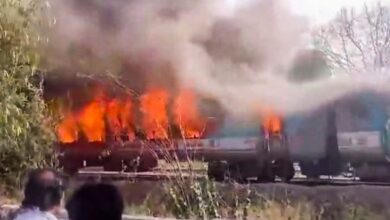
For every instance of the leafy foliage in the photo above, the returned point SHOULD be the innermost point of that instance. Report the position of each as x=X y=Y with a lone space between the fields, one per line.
x=25 y=129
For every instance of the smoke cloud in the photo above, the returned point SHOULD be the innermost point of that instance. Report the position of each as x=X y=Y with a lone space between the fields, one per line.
x=239 y=55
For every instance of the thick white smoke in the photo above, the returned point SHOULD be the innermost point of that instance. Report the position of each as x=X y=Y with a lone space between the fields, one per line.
x=240 y=56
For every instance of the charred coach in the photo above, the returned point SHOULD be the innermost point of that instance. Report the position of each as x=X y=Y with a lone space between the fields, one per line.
x=102 y=127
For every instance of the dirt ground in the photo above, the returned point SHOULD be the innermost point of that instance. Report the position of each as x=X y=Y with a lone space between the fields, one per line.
x=149 y=197
x=330 y=200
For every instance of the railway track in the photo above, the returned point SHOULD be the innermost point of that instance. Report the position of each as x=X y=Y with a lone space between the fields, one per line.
x=162 y=175
x=335 y=182
x=153 y=176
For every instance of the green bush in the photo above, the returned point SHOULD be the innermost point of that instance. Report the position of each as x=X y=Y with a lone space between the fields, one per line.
x=26 y=134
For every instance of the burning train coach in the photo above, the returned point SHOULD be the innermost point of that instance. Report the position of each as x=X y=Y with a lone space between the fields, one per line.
x=125 y=132
x=115 y=130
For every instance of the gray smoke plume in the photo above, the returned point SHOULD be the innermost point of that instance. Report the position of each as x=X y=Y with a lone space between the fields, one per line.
x=240 y=56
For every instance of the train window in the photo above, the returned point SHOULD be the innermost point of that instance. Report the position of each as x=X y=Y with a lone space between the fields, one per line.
x=361 y=141
x=345 y=141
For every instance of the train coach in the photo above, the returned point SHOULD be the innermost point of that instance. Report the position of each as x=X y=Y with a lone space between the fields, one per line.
x=352 y=132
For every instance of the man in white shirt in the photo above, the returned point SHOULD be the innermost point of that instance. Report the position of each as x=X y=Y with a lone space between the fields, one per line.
x=43 y=193
x=34 y=214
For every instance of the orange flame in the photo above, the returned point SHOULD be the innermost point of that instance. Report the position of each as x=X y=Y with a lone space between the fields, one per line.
x=187 y=116
x=119 y=117
x=113 y=113
x=67 y=129
x=271 y=122
x=91 y=120
x=116 y=116
x=126 y=117
x=154 y=109
x=106 y=118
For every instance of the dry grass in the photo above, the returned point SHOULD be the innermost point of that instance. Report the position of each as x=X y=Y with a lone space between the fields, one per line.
x=191 y=197
x=279 y=211
x=188 y=197
x=244 y=208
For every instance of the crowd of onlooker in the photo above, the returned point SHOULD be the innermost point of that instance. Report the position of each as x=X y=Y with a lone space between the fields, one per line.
x=43 y=200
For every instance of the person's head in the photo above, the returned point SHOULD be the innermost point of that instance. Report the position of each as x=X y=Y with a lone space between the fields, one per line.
x=95 y=202
x=47 y=174
x=42 y=174
x=43 y=190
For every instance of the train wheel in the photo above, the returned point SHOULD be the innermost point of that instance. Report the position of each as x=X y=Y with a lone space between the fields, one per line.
x=130 y=166
x=312 y=170
x=267 y=173
x=147 y=165
x=285 y=170
x=71 y=167
x=236 y=173
x=216 y=170
x=113 y=166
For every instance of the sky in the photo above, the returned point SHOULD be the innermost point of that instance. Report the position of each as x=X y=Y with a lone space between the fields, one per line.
x=317 y=11
x=321 y=11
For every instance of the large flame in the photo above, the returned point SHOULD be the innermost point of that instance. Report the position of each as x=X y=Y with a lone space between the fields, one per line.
x=110 y=118
x=186 y=115
x=120 y=118
x=67 y=129
x=154 y=108
x=95 y=117
x=271 y=122
x=91 y=120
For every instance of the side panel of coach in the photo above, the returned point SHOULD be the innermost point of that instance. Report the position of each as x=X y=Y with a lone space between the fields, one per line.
x=312 y=141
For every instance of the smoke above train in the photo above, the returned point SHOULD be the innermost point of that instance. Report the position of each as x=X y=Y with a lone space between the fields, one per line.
x=241 y=56
x=124 y=71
